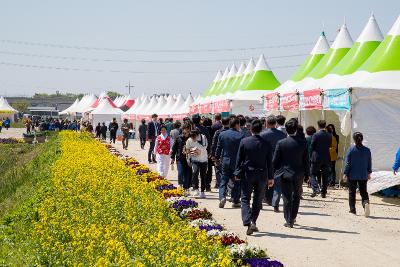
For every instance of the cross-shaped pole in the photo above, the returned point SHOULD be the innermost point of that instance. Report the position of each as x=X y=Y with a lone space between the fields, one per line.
x=129 y=86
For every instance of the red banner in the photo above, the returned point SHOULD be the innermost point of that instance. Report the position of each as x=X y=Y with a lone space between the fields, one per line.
x=205 y=108
x=290 y=101
x=222 y=106
x=312 y=99
x=194 y=109
x=271 y=101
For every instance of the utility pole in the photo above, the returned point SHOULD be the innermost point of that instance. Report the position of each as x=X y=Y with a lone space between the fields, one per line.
x=129 y=86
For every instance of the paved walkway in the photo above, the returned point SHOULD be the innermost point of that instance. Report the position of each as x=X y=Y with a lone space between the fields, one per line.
x=12 y=132
x=326 y=234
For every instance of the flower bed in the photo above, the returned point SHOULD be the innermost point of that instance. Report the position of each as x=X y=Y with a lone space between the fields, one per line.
x=11 y=141
x=241 y=252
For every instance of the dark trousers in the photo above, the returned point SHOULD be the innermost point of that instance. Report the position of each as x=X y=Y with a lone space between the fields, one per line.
x=199 y=168
x=362 y=186
x=333 y=173
x=98 y=135
x=277 y=192
x=113 y=136
x=142 y=142
x=125 y=141
x=184 y=173
x=252 y=183
x=218 y=174
x=104 y=136
x=150 y=155
x=227 y=175
x=291 y=192
x=324 y=169
x=209 y=173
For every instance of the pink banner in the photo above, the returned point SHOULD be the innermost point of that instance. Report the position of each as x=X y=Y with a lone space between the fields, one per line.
x=194 y=109
x=290 y=101
x=271 y=101
x=222 y=106
x=205 y=108
x=312 y=99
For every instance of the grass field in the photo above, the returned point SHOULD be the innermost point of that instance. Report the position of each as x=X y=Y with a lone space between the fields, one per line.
x=24 y=175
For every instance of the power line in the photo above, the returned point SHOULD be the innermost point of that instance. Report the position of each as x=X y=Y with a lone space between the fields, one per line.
x=32 y=66
x=26 y=43
x=138 y=61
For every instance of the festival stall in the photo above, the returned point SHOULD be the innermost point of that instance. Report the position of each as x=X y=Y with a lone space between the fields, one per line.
x=6 y=111
x=105 y=112
x=360 y=93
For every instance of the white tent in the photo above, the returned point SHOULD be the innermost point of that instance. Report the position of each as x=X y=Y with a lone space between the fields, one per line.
x=6 y=111
x=158 y=107
x=105 y=112
x=86 y=102
x=180 y=101
x=165 y=111
x=147 y=110
x=184 y=110
x=70 y=109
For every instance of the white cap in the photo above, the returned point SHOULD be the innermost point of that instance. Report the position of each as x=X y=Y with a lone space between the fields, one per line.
x=395 y=30
x=322 y=46
x=343 y=39
x=250 y=66
x=262 y=64
x=371 y=31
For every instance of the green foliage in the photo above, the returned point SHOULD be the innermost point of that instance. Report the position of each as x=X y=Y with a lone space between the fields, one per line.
x=113 y=94
x=24 y=179
x=21 y=106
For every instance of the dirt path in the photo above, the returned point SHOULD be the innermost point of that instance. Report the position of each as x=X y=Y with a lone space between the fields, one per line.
x=326 y=234
x=12 y=132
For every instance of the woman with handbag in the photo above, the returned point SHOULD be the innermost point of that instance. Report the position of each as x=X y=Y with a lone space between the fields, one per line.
x=161 y=150
x=196 y=149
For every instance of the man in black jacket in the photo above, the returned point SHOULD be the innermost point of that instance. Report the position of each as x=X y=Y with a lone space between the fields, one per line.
x=113 y=128
x=273 y=135
x=254 y=170
x=153 y=130
x=218 y=171
x=320 y=159
x=178 y=155
x=291 y=165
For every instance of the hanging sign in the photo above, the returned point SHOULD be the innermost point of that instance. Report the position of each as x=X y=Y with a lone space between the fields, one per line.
x=289 y=101
x=271 y=102
x=205 y=108
x=311 y=99
x=337 y=99
x=221 y=106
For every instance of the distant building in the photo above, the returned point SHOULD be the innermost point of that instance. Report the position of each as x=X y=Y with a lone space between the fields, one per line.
x=43 y=111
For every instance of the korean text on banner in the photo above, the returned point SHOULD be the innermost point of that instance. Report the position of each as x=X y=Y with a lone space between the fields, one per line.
x=289 y=101
x=221 y=106
x=205 y=108
x=311 y=99
x=337 y=99
x=271 y=102
x=194 y=109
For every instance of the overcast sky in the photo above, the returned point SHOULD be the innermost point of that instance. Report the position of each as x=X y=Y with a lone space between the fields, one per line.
x=162 y=46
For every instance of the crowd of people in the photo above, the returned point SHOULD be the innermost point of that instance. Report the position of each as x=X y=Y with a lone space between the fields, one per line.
x=266 y=158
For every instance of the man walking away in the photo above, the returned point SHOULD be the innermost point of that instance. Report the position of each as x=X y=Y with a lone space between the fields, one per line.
x=242 y=120
x=226 y=153
x=225 y=127
x=103 y=131
x=272 y=136
x=291 y=165
x=320 y=159
x=113 y=128
x=142 y=133
x=125 y=134
x=254 y=170
x=98 y=131
x=280 y=120
x=217 y=123
x=153 y=130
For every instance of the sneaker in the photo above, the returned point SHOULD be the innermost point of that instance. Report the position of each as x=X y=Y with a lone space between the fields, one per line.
x=249 y=230
x=222 y=203
x=236 y=205
x=366 y=209
x=288 y=225
x=202 y=195
x=253 y=227
x=195 y=193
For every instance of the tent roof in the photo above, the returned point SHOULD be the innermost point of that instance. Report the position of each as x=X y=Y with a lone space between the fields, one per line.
x=105 y=107
x=85 y=103
x=70 y=108
x=321 y=46
x=343 y=39
x=262 y=78
x=371 y=31
x=4 y=106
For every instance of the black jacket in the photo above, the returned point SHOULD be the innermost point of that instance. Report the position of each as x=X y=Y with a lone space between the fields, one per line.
x=292 y=152
x=272 y=136
x=142 y=130
x=215 y=140
x=113 y=127
x=151 y=130
x=255 y=154
x=320 y=144
x=178 y=148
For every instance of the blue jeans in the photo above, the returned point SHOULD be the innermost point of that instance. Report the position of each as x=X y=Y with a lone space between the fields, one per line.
x=277 y=192
x=252 y=182
x=183 y=173
x=218 y=174
x=227 y=175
